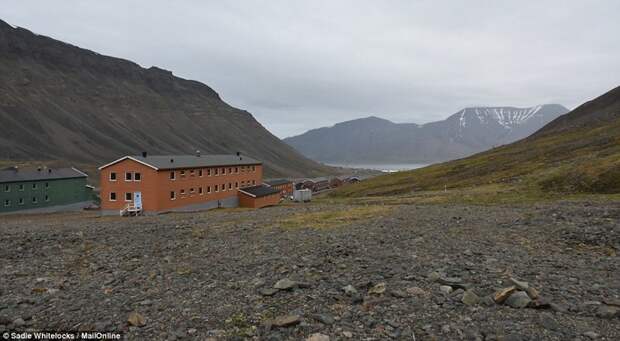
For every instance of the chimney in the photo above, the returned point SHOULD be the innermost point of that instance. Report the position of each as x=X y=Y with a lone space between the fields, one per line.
x=144 y=154
x=197 y=153
x=171 y=160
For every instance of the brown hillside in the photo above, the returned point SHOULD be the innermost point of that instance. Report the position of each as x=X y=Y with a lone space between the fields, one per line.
x=58 y=101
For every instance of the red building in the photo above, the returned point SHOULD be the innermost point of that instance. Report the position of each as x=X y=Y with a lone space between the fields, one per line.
x=177 y=182
x=284 y=186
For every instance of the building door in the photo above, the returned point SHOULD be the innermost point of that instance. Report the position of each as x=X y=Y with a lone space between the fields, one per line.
x=137 y=200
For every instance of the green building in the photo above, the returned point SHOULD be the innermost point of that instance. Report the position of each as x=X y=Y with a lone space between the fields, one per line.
x=43 y=189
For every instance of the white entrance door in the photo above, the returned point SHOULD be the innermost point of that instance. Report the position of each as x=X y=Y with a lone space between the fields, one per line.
x=137 y=200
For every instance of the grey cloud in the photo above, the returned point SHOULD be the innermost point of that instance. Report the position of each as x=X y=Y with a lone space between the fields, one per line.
x=298 y=65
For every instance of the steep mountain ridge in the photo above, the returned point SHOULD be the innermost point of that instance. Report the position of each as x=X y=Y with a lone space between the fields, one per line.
x=59 y=101
x=576 y=153
x=376 y=140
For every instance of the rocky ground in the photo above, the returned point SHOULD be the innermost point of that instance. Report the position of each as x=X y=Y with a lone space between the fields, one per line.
x=433 y=272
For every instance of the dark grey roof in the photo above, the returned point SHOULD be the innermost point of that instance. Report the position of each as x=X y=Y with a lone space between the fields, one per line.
x=19 y=175
x=277 y=182
x=260 y=190
x=191 y=161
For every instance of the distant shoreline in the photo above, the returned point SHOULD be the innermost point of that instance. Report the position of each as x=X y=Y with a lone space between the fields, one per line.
x=383 y=167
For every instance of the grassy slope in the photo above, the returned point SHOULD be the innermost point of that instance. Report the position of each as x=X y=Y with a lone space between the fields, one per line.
x=574 y=156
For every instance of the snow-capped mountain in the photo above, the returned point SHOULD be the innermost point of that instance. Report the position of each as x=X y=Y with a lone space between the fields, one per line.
x=376 y=140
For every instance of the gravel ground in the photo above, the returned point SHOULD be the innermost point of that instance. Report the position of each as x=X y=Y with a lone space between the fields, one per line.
x=409 y=272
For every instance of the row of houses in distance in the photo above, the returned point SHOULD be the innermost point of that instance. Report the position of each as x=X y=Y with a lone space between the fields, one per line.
x=324 y=183
x=155 y=184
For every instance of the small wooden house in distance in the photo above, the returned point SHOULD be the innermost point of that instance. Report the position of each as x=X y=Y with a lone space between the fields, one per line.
x=259 y=196
x=43 y=190
x=285 y=186
x=164 y=183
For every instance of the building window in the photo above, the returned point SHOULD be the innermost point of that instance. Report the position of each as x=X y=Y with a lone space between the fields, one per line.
x=137 y=176
x=229 y=170
x=7 y=203
x=216 y=170
x=236 y=185
x=223 y=187
x=216 y=188
x=182 y=192
x=172 y=176
x=35 y=200
x=47 y=185
x=208 y=189
x=200 y=190
x=242 y=168
x=7 y=188
x=208 y=171
x=21 y=201
x=35 y=186
x=128 y=196
x=112 y=196
x=230 y=185
x=47 y=198
x=191 y=190
x=242 y=183
x=112 y=176
x=200 y=173
x=192 y=172
x=21 y=187
x=253 y=182
x=128 y=176
x=182 y=173
x=253 y=168
x=173 y=195
x=237 y=170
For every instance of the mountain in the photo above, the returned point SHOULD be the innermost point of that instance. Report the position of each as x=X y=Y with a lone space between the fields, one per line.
x=375 y=140
x=58 y=101
x=576 y=153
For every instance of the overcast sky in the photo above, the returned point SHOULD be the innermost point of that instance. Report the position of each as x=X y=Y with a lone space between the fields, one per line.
x=298 y=65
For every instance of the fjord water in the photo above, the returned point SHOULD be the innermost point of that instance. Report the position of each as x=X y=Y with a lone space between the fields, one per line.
x=384 y=167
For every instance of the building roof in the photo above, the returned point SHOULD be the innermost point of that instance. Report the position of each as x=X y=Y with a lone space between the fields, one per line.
x=259 y=191
x=19 y=175
x=277 y=182
x=163 y=162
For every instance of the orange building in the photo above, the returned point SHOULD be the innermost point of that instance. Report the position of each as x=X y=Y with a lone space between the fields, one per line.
x=176 y=182
x=259 y=196
x=284 y=186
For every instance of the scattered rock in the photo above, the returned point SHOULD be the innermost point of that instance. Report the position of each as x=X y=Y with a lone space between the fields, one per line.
x=608 y=311
x=318 y=337
x=349 y=290
x=377 y=289
x=286 y=321
x=518 y=299
x=325 y=319
x=18 y=322
x=416 y=291
x=446 y=289
x=285 y=284
x=521 y=285
x=268 y=291
x=501 y=295
x=136 y=320
x=399 y=293
x=470 y=298
x=591 y=335
x=347 y=334
x=532 y=293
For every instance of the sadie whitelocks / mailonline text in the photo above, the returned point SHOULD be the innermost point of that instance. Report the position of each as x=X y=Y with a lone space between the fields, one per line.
x=93 y=335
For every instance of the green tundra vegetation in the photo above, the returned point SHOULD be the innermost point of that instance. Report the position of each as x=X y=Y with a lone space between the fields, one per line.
x=578 y=154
